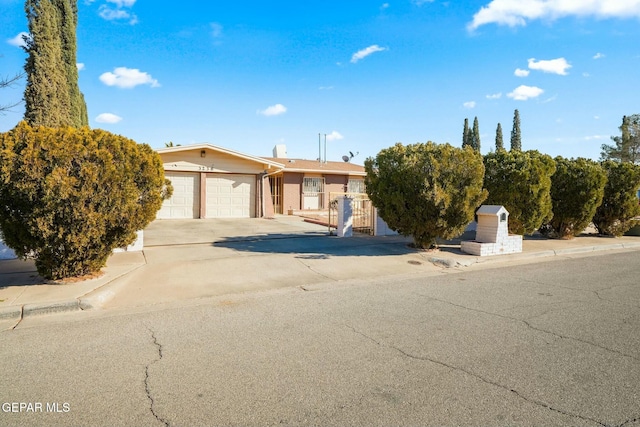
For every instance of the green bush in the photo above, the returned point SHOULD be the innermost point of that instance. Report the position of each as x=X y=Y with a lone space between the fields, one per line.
x=620 y=203
x=70 y=196
x=426 y=190
x=577 y=189
x=521 y=182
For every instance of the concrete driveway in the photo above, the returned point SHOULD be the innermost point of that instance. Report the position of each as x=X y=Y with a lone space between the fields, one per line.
x=199 y=231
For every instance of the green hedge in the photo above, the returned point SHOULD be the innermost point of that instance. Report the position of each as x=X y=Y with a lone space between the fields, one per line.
x=426 y=190
x=70 y=196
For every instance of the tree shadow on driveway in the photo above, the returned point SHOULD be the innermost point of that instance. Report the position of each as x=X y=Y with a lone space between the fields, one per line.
x=323 y=247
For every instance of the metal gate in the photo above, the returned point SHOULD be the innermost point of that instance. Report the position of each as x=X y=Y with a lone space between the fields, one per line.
x=363 y=212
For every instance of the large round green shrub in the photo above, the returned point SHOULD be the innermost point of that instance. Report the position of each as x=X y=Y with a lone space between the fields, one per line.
x=521 y=182
x=620 y=206
x=577 y=188
x=426 y=190
x=70 y=196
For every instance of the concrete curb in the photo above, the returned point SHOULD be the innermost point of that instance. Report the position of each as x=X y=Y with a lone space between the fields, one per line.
x=93 y=299
x=11 y=312
x=96 y=298
x=51 y=308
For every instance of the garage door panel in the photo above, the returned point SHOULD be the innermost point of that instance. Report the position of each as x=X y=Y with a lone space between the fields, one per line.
x=230 y=196
x=185 y=201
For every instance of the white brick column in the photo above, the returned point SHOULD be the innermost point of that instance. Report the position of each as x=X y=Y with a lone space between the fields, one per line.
x=345 y=216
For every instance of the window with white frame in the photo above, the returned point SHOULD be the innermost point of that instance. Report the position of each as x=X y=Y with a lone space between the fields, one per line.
x=356 y=186
x=313 y=185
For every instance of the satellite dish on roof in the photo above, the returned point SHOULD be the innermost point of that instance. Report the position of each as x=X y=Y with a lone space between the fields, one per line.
x=350 y=156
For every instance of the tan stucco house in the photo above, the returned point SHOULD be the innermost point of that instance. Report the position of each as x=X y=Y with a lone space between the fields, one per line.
x=215 y=182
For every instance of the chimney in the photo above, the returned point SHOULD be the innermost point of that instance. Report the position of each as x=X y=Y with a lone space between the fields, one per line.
x=280 y=151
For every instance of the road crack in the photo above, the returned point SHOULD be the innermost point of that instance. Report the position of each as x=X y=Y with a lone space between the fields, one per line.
x=315 y=271
x=478 y=377
x=535 y=328
x=630 y=421
x=147 y=387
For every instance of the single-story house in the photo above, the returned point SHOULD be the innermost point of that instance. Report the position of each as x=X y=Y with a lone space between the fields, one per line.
x=308 y=184
x=214 y=182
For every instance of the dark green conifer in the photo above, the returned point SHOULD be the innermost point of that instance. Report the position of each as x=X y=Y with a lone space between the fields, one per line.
x=475 y=135
x=466 y=134
x=499 y=143
x=516 y=138
x=52 y=96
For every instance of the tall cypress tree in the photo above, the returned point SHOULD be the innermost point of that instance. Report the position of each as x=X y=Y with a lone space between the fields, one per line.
x=475 y=135
x=52 y=96
x=499 y=143
x=516 y=139
x=466 y=134
x=69 y=23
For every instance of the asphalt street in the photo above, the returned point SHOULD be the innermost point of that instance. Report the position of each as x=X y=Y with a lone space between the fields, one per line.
x=551 y=343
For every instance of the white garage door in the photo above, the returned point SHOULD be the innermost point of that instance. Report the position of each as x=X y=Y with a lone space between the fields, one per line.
x=231 y=196
x=185 y=201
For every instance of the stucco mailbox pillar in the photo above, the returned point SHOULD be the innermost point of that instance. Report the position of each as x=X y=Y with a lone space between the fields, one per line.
x=345 y=216
x=492 y=233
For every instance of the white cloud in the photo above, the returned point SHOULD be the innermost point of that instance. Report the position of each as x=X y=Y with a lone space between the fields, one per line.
x=325 y=88
x=469 y=104
x=18 y=40
x=522 y=93
x=361 y=54
x=109 y=14
x=495 y=95
x=80 y=66
x=127 y=78
x=334 y=136
x=118 y=11
x=517 y=12
x=384 y=6
x=216 y=30
x=108 y=118
x=598 y=55
x=596 y=137
x=554 y=66
x=521 y=73
x=122 y=3
x=274 y=110
x=421 y=2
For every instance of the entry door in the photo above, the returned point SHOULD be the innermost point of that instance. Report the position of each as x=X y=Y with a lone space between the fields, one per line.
x=312 y=193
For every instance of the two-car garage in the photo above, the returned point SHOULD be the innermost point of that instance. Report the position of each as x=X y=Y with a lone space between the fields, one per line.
x=212 y=182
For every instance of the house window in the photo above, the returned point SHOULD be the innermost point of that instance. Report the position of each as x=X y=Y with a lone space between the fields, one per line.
x=313 y=185
x=356 y=186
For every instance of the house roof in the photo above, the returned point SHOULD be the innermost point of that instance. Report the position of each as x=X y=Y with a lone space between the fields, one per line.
x=331 y=168
x=192 y=147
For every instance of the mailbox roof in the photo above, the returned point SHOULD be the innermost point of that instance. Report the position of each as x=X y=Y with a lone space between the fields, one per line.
x=491 y=210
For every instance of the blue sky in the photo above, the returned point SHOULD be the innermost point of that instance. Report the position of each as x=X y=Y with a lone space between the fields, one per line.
x=248 y=75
